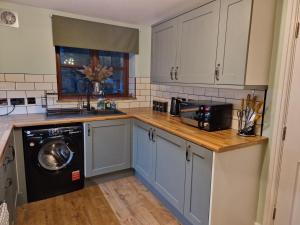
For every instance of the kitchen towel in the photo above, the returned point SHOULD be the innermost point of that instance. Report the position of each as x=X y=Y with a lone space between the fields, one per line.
x=4 y=214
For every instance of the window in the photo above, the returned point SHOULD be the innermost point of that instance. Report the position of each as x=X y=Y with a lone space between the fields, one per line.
x=79 y=70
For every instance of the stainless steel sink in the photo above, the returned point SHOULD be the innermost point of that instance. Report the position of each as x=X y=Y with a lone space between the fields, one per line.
x=74 y=112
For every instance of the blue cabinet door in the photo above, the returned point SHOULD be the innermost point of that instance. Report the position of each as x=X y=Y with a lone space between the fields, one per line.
x=170 y=168
x=107 y=146
x=144 y=153
x=198 y=184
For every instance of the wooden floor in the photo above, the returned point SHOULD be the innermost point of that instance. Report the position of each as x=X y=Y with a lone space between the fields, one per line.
x=122 y=201
x=133 y=204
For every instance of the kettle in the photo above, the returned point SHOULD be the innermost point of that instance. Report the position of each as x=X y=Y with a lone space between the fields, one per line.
x=175 y=106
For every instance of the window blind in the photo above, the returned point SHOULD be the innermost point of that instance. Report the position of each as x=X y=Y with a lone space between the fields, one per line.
x=76 y=33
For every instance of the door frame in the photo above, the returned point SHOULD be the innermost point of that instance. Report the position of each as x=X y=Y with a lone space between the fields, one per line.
x=280 y=100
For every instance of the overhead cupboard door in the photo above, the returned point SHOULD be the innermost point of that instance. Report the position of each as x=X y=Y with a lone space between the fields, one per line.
x=198 y=35
x=164 y=39
x=234 y=31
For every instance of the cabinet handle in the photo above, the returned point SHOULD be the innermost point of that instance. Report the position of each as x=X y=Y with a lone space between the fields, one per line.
x=176 y=73
x=217 y=72
x=149 y=134
x=89 y=130
x=171 y=72
x=187 y=153
x=153 y=135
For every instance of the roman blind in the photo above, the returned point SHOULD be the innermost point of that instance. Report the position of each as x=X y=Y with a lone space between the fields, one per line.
x=76 y=33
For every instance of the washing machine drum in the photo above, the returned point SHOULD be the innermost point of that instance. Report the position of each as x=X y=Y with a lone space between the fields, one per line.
x=55 y=155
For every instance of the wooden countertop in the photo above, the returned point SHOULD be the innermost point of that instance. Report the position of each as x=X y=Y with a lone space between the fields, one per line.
x=219 y=141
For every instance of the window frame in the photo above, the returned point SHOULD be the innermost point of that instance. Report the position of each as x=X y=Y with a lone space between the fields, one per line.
x=93 y=53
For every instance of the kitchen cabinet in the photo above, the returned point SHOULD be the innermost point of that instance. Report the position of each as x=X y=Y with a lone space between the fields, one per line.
x=8 y=179
x=164 y=39
x=198 y=184
x=198 y=39
x=170 y=167
x=235 y=16
x=107 y=146
x=218 y=44
x=144 y=150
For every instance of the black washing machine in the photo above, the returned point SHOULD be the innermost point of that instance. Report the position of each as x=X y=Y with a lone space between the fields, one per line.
x=54 y=160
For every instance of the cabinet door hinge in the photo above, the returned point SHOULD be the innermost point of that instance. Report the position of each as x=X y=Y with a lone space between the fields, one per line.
x=297 y=30
x=274 y=213
x=284 y=133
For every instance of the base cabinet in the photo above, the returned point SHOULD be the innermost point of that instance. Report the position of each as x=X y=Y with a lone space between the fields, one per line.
x=170 y=167
x=8 y=180
x=180 y=171
x=107 y=146
x=198 y=184
x=144 y=153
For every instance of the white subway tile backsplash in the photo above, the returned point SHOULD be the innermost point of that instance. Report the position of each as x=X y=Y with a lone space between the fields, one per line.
x=212 y=92
x=16 y=94
x=35 y=109
x=188 y=90
x=145 y=92
x=34 y=78
x=3 y=94
x=43 y=86
x=34 y=93
x=2 y=78
x=145 y=80
x=199 y=91
x=24 y=86
x=50 y=78
x=7 y=86
x=10 y=77
x=18 y=110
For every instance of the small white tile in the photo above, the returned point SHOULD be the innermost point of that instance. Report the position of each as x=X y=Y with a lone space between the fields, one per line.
x=24 y=86
x=212 y=92
x=199 y=91
x=144 y=104
x=34 y=78
x=3 y=94
x=18 y=110
x=178 y=89
x=188 y=90
x=43 y=86
x=216 y=99
x=134 y=105
x=35 y=93
x=145 y=80
x=141 y=98
x=192 y=97
x=204 y=98
x=123 y=105
x=7 y=86
x=11 y=77
x=16 y=94
x=50 y=78
x=145 y=92
x=35 y=109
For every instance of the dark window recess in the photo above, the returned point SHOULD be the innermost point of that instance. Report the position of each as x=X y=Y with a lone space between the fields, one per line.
x=72 y=79
x=17 y=101
x=3 y=101
x=31 y=101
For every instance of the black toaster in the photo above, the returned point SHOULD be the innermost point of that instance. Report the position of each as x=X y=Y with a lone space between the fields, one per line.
x=207 y=115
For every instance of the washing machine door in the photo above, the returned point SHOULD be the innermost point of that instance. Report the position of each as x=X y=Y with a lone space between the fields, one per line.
x=55 y=155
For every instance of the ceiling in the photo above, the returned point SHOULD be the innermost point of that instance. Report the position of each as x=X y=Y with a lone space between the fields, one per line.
x=130 y=11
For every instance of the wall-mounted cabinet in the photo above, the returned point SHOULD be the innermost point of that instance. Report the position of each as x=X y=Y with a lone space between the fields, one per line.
x=221 y=43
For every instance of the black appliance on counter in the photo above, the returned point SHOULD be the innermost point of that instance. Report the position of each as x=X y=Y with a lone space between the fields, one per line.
x=207 y=115
x=175 y=105
x=54 y=160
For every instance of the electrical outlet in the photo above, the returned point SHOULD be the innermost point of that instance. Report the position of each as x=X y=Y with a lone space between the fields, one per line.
x=17 y=101
x=31 y=101
x=3 y=101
